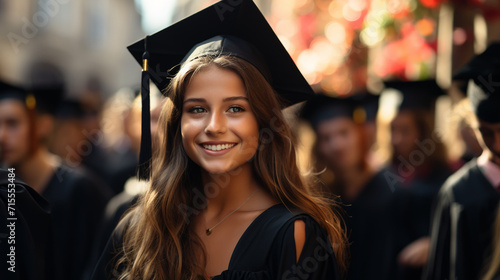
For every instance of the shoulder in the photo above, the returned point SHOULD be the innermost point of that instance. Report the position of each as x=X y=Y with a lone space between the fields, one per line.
x=316 y=257
x=466 y=183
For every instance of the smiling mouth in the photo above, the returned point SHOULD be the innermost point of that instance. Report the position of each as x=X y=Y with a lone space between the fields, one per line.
x=218 y=147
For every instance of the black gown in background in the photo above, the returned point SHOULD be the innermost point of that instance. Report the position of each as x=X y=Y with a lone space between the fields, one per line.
x=266 y=250
x=33 y=233
x=412 y=207
x=369 y=225
x=77 y=204
x=461 y=232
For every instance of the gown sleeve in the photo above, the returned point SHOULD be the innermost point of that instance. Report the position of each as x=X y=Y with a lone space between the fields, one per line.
x=317 y=259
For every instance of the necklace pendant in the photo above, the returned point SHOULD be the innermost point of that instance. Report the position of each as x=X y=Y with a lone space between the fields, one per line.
x=208 y=231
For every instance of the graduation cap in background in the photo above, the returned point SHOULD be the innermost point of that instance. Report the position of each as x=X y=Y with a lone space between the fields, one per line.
x=10 y=91
x=417 y=94
x=224 y=28
x=369 y=102
x=43 y=100
x=322 y=108
x=484 y=72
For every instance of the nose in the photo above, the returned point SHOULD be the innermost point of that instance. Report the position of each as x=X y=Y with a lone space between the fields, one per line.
x=217 y=124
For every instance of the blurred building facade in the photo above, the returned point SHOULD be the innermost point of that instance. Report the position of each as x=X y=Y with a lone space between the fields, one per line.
x=85 y=39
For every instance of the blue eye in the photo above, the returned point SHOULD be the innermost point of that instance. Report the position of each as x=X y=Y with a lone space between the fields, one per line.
x=197 y=110
x=236 y=109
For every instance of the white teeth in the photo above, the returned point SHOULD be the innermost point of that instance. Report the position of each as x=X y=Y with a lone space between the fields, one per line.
x=218 y=147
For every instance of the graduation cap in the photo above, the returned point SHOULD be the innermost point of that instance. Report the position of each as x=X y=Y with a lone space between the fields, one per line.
x=369 y=102
x=10 y=91
x=322 y=108
x=225 y=28
x=484 y=89
x=417 y=94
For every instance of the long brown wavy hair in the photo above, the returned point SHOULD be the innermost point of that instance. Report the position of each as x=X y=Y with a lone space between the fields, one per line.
x=158 y=242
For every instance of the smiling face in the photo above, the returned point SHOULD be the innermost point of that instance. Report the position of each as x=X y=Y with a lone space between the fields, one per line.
x=219 y=130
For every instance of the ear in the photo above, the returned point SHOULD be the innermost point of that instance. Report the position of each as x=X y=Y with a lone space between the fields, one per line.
x=44 y=126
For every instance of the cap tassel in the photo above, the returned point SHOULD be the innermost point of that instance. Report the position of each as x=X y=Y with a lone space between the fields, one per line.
x=145 y=154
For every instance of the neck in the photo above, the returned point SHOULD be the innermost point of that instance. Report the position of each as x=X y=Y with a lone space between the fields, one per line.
x=37 y=170
x=226 y=192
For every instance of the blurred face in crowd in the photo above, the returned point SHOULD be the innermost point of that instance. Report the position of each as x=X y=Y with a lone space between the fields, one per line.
x=404 y=133
x=219 y=130
x=490 y=133
x=339 y=143
x=14 y=132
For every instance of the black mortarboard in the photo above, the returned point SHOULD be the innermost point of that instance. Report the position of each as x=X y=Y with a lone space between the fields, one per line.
x=235 y=28
x=417 y=94
x=369 y=102
x=47 y=98
x=9 y=91
x=43 y=99
x=321 y=108
x=484 y=71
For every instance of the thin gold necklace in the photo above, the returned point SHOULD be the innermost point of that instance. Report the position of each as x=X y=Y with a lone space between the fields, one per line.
x=208 y=231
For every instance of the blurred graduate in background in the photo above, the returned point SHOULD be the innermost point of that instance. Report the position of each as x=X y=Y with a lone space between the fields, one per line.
x=462 y=222
x=344 y=136
x=418 y=167
x=76 y=200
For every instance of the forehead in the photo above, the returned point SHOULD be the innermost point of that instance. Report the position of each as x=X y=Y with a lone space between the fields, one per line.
x=12 y=108
x=212 y=81
x=334 y=124
x=490 y=126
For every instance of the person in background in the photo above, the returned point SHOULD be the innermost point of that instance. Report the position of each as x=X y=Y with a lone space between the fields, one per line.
x=31 y=235
x=77 y=202
x=341 y=155
x=79 y=141
x=419 y=167
x=462 y=221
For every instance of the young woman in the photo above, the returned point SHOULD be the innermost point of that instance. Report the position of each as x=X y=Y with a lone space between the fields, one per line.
x=226 y=199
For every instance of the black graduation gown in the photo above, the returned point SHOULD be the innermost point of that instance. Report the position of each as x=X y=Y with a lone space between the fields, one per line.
x=462 y=225
x=266 y=250
x=412 y=206
x=32 y=233
x=77 y=204
x=369 y=225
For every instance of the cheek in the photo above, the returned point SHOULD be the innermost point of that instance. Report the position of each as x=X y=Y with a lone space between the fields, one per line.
x=249 y=132
x=20 y=135
x=187 y=132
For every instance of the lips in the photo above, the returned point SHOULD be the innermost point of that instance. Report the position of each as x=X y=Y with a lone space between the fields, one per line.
x=217 y=148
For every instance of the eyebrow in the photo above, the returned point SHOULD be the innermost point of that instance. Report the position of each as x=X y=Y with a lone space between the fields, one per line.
x=223 y=100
